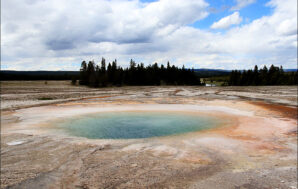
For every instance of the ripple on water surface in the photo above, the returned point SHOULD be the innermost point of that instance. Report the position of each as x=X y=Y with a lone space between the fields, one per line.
x=132 y=125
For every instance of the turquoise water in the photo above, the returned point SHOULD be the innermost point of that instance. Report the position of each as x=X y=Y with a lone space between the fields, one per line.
x=132 y=125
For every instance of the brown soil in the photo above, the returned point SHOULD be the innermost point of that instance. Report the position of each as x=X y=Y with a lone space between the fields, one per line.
x=281 y=110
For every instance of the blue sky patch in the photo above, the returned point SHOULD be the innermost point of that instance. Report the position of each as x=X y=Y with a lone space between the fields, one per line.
x=220 y=9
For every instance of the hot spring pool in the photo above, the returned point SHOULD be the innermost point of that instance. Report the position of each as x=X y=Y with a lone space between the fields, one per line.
x=133 y=125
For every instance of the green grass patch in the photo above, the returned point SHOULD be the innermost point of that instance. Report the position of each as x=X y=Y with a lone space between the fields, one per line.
x=217 y=80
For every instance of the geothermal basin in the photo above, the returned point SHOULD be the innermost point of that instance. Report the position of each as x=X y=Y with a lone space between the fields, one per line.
x=133 y=125
x=152 y=137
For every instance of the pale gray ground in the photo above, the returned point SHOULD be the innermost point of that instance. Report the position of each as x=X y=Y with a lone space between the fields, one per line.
x=219 y=159
x=15 y=94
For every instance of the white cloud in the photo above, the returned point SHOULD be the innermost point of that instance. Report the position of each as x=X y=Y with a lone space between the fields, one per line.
x=59 y=34
x=227 y=21
x=57 y=25
x=241 y=4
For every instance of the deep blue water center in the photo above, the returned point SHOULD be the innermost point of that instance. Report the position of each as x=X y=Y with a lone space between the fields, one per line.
x=132 y=125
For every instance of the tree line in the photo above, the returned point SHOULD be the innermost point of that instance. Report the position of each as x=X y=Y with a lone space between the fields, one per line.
x=273 y=76
x=103 y=75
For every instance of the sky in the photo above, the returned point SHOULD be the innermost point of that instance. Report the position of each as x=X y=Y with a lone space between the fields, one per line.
x=217 y=34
